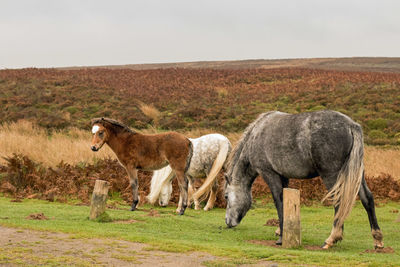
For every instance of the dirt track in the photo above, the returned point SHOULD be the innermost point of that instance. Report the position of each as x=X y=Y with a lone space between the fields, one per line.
x=41 y=247
x=28 y=247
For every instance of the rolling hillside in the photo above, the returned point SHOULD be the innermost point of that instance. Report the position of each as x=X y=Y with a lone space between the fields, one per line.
x=222 y=99
x=376 y=64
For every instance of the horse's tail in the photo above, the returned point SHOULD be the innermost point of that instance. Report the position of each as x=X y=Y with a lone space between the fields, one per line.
x=159 y=178
x=219 y=162
x=189 y=157
x=343 y=194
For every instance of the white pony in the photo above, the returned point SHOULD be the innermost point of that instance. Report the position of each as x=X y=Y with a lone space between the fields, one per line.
x=210 y=153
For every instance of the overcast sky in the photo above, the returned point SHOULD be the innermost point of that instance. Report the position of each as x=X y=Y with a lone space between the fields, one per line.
x=50 y=33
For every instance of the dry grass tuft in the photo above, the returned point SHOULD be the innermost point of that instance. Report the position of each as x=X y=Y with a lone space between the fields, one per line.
x=382 y=160
x=71 y=146
x=221 y=91
x=150 y=111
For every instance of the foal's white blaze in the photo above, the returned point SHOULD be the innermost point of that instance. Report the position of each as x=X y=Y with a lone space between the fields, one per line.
x=95 y=129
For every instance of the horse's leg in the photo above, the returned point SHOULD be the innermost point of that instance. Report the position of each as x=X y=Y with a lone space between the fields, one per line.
x=179 y=204
x=191 y=191
x=133 y=182
x=336 y=234
x=212 y=197
x=285 y=184
x=190 y=195
x=183 y=187
x=337 y=230
x=275 y=183
x=368 y=202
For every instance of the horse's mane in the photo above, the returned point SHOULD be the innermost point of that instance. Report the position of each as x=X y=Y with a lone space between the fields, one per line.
x=113 y=123
x=235 y=154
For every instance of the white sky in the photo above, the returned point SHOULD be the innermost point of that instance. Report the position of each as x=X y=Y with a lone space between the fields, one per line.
x=53 y=33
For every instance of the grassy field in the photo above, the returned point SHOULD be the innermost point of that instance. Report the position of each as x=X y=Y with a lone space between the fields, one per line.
x=206 y=231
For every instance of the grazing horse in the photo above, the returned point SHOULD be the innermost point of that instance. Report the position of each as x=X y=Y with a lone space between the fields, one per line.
x=210 y=153
x=279 y=146
x=136 y=151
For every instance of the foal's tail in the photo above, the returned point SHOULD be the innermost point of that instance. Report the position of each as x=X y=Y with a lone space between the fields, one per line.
x=343 y=194
x=158 y=180
x=219 y=162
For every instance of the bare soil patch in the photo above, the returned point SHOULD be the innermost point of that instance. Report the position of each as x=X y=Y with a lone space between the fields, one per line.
x=380 y=250
x=269 y=243
x=40 y=247
x=314 y=248
x=153 y=213
x=37 y=216
x=272 y=222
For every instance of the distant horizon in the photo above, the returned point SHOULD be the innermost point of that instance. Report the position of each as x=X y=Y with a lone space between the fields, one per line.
x=199 y=61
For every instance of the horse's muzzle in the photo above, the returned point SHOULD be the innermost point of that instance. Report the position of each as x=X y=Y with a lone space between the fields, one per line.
x=94 y=148
x=230 y=223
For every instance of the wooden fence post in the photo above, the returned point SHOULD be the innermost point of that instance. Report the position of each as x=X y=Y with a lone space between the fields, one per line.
x=99 y=199
x=291 y=218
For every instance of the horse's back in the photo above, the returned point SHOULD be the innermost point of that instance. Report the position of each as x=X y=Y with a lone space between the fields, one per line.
x=332 y=140
x=301 y=145
x=205 y=151
x=172 y=147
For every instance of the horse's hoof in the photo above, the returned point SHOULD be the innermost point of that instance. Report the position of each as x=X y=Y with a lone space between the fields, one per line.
x=181 y=212
x=325 y=246
x=134 y=205
x=279 y=243
x=378 y=244
x=278 y=232
x=207 y=208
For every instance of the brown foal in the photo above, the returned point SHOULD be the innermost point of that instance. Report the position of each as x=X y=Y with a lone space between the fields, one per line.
x=136 y=151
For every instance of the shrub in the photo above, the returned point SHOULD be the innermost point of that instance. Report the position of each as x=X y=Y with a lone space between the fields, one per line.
x=377 y=124
x=377 y=134
x=72 y=109
x=316 y=108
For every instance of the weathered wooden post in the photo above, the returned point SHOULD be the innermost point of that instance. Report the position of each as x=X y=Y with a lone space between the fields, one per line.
x=291 y=218
x=99 y=199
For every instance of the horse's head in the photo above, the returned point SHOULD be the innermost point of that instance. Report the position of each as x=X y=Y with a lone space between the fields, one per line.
x=165 y=194
x=100 y=135
x=238 y=201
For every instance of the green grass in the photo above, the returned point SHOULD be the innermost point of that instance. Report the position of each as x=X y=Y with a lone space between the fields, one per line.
x=206 y=231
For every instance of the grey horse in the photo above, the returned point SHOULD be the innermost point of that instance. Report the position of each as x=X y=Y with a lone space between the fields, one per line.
x=279 y=146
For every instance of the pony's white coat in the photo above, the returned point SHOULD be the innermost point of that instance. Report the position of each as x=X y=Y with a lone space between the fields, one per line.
x=210 y=153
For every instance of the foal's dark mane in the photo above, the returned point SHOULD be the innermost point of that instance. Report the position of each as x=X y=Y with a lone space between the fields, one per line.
x=116 y=124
